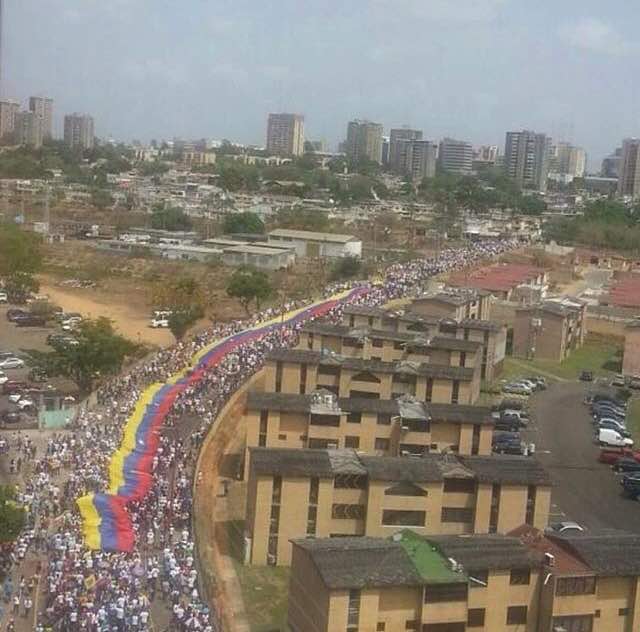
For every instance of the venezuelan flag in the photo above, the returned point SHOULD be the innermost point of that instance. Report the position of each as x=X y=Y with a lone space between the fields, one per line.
x=106 y=524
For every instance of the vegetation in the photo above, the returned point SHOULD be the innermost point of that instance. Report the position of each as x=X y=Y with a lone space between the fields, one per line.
x=605 y=224
x=346 y=268
x=243 y=223
x=185 y=298
x=100 y=352
x=181 y=321
x=170 y=218
x=12 y=515
x=19 y=251
x=20 y=285
x=302 y=219
x=249 y=284
x=101 y=198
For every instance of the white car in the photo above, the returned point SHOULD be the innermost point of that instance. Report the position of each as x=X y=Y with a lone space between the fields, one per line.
x=11 y=363
x=568 y=527
x=3 y=378
x=14 y=398
x=160 y=323
x=25 y=403
x=3 y=297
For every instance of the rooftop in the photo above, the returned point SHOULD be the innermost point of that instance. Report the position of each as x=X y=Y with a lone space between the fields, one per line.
x=309 y=235
x=497 y=278
x=514 y=470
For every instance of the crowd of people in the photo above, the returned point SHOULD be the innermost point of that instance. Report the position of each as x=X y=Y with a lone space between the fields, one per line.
x=99 y=591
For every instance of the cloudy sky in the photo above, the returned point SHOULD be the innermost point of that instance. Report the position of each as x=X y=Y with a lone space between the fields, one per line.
x=215 y=68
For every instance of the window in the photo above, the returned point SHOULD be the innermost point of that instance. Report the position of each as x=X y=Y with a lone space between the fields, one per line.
x=382 y=444
x=444 y=627
x=303 y=379
x=329 y=370
x=478 y=579
x=376 y=342
x=463 y=358
x=381 y=626
x=278 y=377
x=516 y=615
x=411 y=624
x=460 y=485
x=325 y=420
x=466 y=334
x=404 y=489
x=415 y=425
x=347 y=512
x=455 y=392
x=439 y=593
x=429 y=389
x=354 y=418
x=457 y=514
x=576 y=586
x=350 y=481
x=520 y=576
x=366 y=376
x=352 y=442
x=353 y=611
x=575 y=623
x=623 y=612
x=262 y=436
x=399 y=518
x=384 y=420
x=475 y=617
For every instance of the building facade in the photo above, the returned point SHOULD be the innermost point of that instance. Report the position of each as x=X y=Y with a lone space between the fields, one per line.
x=526 y=159
x=456 y=156
x=568 y=160
x=395 y=136
x=8 y=112
x=454 y=304
x=42 y=107
x=416 y=159
x=28 y=130
x=285 y=134
x=551 y=330
x=296 y=493
x=629 y=175
x=523 y=582
x=307 y=243
x=79 y=131
x=364 y=141
x=631 y=357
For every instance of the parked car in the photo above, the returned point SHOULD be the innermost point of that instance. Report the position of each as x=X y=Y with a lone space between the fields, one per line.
x=567 y=527
x=611 y=422
x=586 y=376
x=634 y=382
x=610 y=456
x=605 y=409
x=509 y=447
x=62 y=316
x=10 y=417
x=12 y=314
x=609 y=436
x=619 y=380
x=11 y=363
x=606 y=426
x=13 y=386
x=3 y=297
x=30 y=320
x=626 y=466
x=509 y=404
x=516 y=388
x=26 y=404
x=631 y=485
x=603 y=397
x=62 y=340
x=159 y=323
x=3 y=378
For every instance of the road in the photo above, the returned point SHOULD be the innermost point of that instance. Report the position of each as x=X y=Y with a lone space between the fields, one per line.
x=584 y=489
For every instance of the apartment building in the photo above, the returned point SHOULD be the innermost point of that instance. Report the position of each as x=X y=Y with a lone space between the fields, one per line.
x=28 y=130
x=364 y=141
x=457 y=304
x=396 y=427
x=42 y=108
x=416 y=159
x=526 y=159
x=295 y=493
x=456 y=156
x=550 y=330
x=397 y=135
x=629 y=168
x=285 y=134
x=8 y=112
x=302 y=371
x=79 y=131
x=488 y=583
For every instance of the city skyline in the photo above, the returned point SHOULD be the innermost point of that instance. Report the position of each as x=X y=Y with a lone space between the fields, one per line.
x=239 y=65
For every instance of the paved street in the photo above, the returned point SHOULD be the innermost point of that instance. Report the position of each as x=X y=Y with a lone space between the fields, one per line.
x=584 y=489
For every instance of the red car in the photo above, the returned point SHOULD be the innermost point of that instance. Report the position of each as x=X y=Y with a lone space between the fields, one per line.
x=610 y=456
x=13 y=386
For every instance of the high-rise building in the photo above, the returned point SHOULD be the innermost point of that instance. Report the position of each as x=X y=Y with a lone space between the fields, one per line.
x=629 y=178
x=78 y=131
x=285 y=134
x=364 y=141
x=568 y=160
x=385 y=150
x=456 y=156
x=8 y=111
x=611 y=164
x=28 y=130
x=416 y=159
x=42 y=107
x=397 y=135
x=486 y=153
x=526 y=159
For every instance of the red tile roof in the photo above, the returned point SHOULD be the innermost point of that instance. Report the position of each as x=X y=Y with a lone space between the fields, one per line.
x=625 y=293
x=498 y=278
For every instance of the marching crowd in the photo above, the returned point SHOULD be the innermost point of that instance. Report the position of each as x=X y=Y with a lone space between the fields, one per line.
x=96 y=591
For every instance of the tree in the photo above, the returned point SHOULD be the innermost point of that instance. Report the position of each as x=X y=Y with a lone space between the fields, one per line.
x=101 y=199
x=100 y=352
x=12 y=515
x=302 y=219
x=243 y=223
x=171 y=218
x=346 y=268
x=248 y=284
x=20 y=285
x=19 y=251
x=185 y=298
x=181 y=321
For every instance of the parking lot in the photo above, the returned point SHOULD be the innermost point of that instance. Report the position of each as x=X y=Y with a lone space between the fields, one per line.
x=584 y=489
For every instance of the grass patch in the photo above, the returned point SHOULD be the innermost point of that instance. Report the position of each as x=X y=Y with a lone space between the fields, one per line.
x=265 y=590
x=633 y=420
x=600 y=354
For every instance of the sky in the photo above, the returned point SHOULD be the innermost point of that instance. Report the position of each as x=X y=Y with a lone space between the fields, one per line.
x=471 y=69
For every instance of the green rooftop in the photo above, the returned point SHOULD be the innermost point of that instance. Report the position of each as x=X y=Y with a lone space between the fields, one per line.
x=432 y=566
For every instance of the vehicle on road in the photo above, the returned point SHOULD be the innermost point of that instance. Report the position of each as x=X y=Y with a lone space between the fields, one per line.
x=3 y=297
x=626 y=466
x=610 y=456
x=631 y=485
x=159 y=323
x=567 y=527
x=11 y=363
x=586 y=376
x=609 y=436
